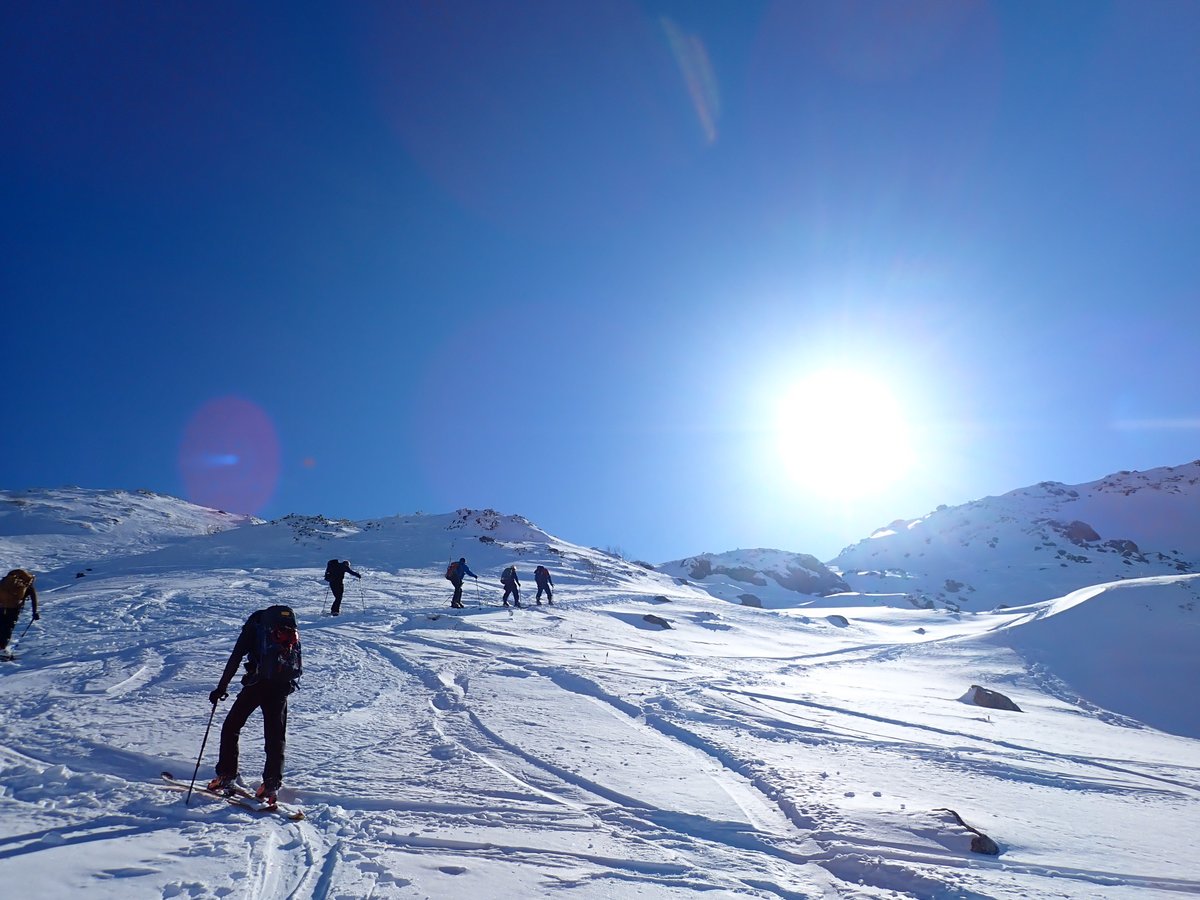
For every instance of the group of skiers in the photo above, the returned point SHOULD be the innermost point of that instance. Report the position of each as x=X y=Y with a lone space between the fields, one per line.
x=270 y=645
x=456 y=572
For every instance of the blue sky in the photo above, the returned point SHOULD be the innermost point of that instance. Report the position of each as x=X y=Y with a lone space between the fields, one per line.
x=570 y=260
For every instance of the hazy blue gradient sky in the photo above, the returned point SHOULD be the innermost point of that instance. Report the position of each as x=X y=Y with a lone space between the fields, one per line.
x=567 y=259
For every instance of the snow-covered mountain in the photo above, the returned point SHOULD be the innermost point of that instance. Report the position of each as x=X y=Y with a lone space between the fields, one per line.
x=1035 y=543
x=762 y=578
x=640 y=738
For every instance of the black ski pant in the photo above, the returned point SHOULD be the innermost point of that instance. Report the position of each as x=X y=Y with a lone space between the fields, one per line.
x=272 y=700
x=545 y=586
x=457 y=598
x=8 y=621
x=338 y=587
x=511 y=588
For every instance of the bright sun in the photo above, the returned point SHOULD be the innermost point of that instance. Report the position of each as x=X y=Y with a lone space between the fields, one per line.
x=842 y=433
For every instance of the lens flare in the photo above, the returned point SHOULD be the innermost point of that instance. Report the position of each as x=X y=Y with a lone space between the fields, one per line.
x=229 y=456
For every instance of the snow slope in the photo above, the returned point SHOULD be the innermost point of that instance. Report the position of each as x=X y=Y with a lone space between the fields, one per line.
x=585 y=750
x=46 y=530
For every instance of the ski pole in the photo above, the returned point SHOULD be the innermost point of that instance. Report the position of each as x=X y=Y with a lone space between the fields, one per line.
x=27 y=627
x=325 y=602
x=478 y=602
x=360 y=596
x=211 y=715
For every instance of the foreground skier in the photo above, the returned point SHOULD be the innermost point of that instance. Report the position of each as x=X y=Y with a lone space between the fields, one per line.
x=271 y=645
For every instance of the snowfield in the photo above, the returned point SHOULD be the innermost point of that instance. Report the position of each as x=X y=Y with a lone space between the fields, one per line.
x=581 y=750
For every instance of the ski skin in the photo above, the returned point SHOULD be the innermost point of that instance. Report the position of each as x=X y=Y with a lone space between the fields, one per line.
x=238 y=797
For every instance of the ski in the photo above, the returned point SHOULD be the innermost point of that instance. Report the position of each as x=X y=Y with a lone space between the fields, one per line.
x=238 y=797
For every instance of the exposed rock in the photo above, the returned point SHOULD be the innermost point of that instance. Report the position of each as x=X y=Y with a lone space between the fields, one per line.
x=839 y=621
x=1076 y=532
x=656 y=620
x=811 y=576
x=980 y=842
x=741 y=573
x=805 y=574
x=1125 y=548
x=982 y=696
x=750 y=600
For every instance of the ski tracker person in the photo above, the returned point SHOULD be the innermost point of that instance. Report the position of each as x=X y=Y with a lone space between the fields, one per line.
x=15 y=588
x=455 y=573
x=544 y=583
x=512 y=585
x=271 y=645
x=335 y=574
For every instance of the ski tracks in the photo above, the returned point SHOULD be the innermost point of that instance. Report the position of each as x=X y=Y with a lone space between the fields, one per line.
x=681 y=847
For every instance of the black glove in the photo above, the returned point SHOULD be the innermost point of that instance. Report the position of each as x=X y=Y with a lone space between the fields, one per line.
x=359 y=577
x=217 y=696
x=476 y=577
x=36 y=616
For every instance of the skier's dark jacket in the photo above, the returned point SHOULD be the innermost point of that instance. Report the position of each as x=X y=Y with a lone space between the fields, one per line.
x=244 y=647
x=338 y=573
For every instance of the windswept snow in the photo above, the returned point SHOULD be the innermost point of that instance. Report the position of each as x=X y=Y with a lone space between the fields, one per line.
x=44 y=529
x=583 y=750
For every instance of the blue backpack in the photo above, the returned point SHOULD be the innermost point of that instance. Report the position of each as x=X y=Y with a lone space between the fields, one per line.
x=276 y=653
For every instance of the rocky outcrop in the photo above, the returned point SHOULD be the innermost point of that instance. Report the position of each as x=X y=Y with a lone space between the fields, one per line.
x=803 y=573
x=982 y=696
x=980 y=842
x=1076 y=532
x=810 y=576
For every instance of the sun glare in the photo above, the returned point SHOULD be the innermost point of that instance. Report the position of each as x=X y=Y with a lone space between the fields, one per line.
x=843 y=433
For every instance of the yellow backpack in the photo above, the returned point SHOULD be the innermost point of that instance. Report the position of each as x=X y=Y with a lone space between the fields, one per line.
x=13 y=588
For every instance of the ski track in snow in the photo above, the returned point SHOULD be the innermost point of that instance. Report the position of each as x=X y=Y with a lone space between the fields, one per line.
x=440 y=754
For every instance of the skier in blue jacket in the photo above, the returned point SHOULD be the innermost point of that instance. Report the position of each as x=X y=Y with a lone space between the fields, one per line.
x=455 y=573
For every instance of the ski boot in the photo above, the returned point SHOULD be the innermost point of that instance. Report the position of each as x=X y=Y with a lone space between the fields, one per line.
x=223 y=784
x=267 y=793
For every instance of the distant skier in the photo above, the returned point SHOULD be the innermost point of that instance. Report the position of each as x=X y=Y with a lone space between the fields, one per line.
x=512 y=585
x=271 y=644
x=15 y=588
x=455 y=573
x=544 y=583
x=335 y=574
